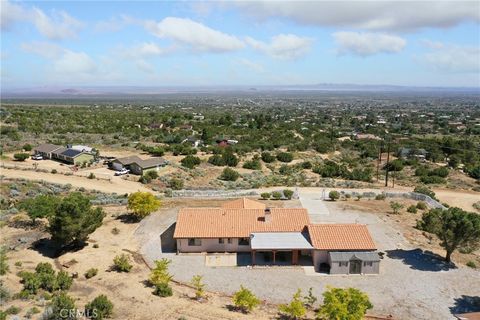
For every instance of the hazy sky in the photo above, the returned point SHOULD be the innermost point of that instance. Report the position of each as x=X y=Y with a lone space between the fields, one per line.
x=420 y=43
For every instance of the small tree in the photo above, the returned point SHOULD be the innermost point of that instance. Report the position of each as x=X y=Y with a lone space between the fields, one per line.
x=121 y=263
x=229 y=174
x=412 y=209
x=295 y=309
x=456 y=228
x=288 y=194
x=284 y=157
x=27 y=147
x=310 y=299
x=345 y=304
x=229 y=158
x=63 y=281
x=396 y=207
x=265 y=195
x=176 y=184
x=3 y=261
x=74 y=220
x=99 y=308
x=142 y=204
x=62 y=307
x=199 y=287
x=42 y=206
x=21 y=156
x=334 y=195
x=190 y=161
x=421 y=205
x=245 y=300
x=277 y=195
x=160 y=278
x=267 y=157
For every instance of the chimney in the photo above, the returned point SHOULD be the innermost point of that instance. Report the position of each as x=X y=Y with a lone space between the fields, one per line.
x=268 y=215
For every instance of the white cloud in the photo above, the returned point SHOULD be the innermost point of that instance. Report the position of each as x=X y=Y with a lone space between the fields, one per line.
x=75 y=63
x=193 y=34
x=149 y=49
x=283 y=46
x=372 y=15
x=114 y=24
x=144 y=66
x=367 y=43
x=452 y=58
x=45 y=49
x=56 y=26
x=251 y=65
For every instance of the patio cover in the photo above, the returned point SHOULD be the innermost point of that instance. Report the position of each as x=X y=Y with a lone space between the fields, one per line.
x=279 y=241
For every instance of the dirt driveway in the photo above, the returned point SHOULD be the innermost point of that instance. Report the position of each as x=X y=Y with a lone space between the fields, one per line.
x=412 y=284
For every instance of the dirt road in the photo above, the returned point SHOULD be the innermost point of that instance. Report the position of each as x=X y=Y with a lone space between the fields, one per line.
x=117 y=184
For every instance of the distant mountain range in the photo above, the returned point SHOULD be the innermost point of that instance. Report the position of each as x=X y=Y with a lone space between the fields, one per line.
x=77 y=91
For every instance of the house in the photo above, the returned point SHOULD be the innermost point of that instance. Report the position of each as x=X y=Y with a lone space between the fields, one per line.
x=143 y=166
x=407 y=153
x=194 y=142
x=124 y=163
x=72 y=156
x=226 y=142
x=46 y=150
x=366 y=136
x=81 y=148
x=276 y=236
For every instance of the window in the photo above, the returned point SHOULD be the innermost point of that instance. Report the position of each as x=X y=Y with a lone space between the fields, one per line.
x=194 y=242
x=367 y=263
x=220 y=240
x=229 y=240
x=243 y=241
x=343 y=264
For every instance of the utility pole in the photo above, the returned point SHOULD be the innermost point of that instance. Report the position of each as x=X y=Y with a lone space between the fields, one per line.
x=386 y=167
x=379 y=160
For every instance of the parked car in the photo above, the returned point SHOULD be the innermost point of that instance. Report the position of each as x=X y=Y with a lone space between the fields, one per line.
x=37 y=157
x=122 y=172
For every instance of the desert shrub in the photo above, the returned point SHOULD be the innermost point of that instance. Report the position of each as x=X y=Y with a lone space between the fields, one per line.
x=115 y=231
x=99 y=308
x=440 y=172
x=295 y=309
x=381 y=196
x=288 y=194
x=253 y=165
x=277 y=195
x=265 y=195
x=3 y=261
x=245 y=300
x=96 y=246
x=306 y=165
x=310 y=299
x=285 y=157
x=267 y=157
x=60 y=303
x=432 y=180
x=151 y=174
x=471 y=264
x=348 y=196
x=176 y=184
x=31 y=312
x=229 y=174
x=396 y=207
x=190 y=161
x=412 y=209
x=91 y=176
x=121 y=263
x=21 y=156
x=63 y=281
x=163 y=290
x=54 y=171
x=476 y=205
x=216 y=160
x=199 y=286
x=229 y=158
x=92 y=272
x=13 y=310
x=27 y=147
x=421 y=205
x=334 y=195
x=347 y=304
x=425 y=190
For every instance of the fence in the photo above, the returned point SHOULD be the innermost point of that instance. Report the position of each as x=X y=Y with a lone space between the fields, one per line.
x=213 y=193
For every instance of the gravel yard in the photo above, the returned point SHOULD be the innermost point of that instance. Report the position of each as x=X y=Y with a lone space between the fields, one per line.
x=411 y=284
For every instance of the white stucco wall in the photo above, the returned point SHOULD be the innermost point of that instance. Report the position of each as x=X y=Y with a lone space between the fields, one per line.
x=212 y=245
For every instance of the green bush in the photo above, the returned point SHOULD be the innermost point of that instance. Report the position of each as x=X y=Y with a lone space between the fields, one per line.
x=421 y=205
x=396 y=207
x=59 y=304
x=27 y=147
x=306 y=165
x=190 y=161
x=216 y=160
x=267 y=157
x=54 y=171
x=288 y=194
x=432 y=180
x=285 y=157
x=176 y=184
x=99 y=308
x=426 y=191
x=276 y=195
x=152 y=174
x=163 y=289
x=381 y=196
x=229 y=174
x=472 y=264
x=21 y=156
x=245 y=300
x=63 y=281
x=412 y=209
x=91 y=176
x=92 y=272
x=295 y=309
x=265 y=195
x=13 y=310
x=334 y=195
x=252 y=165
x=121 y=263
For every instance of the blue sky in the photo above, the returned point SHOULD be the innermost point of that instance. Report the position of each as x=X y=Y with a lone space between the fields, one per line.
x=423 y=43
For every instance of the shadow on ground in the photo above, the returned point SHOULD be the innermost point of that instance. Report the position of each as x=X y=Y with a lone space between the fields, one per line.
x=466 y=304
x=418 y=259
x=47 y=248
x=167 y=241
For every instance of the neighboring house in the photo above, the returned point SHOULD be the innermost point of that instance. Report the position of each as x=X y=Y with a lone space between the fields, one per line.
x=124 y=163
x=143 y=166
x=366 y=136
x=407 y=153
x=72 y=156
x=81 y=148
x=226 y=142
x=194 y=142
x=46 y=150
x=276 y=235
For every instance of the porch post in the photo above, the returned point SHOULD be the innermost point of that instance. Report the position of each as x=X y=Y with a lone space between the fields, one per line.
x=294 y=257
x=253 y=257
x=274 y=252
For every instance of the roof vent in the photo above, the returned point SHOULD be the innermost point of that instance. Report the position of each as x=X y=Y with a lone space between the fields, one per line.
x=268 y=215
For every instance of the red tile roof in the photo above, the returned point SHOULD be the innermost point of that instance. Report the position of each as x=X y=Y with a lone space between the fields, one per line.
x=243 y=203
x=237 y=223
x=340 y=237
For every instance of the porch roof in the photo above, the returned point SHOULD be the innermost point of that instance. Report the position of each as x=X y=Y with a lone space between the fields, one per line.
x=279 y=241
x=347 y=256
